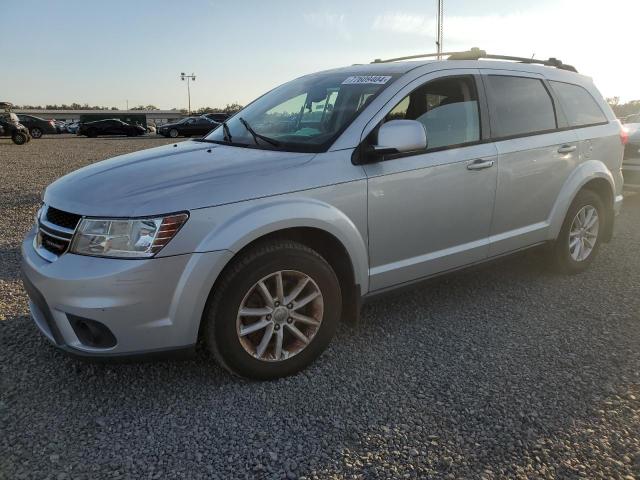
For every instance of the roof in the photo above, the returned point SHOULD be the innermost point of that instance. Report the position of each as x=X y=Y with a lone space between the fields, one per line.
x=474 y=58
x=476 y=54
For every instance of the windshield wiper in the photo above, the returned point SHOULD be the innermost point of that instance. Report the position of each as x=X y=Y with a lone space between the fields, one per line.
x=256 y=135
x=227 y=134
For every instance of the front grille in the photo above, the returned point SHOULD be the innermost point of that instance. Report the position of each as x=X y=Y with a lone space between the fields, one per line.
x=62 y=219
x=55 y=232
x=53 y=244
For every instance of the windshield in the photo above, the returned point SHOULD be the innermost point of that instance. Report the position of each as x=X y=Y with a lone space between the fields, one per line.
x=306 y=114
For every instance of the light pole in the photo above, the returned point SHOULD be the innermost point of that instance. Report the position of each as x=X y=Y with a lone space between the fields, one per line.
x=439 y=27
x=188 y=78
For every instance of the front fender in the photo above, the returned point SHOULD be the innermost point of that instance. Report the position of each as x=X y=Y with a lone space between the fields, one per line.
x=232 y=227
x=584 y=173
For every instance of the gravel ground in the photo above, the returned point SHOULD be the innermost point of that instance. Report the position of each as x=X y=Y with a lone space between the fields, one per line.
x=502 y=371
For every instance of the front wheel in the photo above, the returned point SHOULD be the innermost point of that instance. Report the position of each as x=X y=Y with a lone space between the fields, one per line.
x=19 y=138
x=274 y=311
x=581 y=233
x=173 y=133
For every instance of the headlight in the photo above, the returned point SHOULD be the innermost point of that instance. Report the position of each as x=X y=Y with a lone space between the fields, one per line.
x=128 y=238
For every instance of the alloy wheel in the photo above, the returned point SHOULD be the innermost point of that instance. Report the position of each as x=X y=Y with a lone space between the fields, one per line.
x=280 y=315
x=583 y=233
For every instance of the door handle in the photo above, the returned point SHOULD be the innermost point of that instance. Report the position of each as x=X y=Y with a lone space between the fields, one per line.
x=567 y=149
x=479 y=164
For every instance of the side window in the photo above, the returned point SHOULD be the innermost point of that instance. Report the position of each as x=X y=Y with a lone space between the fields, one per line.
x=519 y=106
x=578 y=104
x=448 y=109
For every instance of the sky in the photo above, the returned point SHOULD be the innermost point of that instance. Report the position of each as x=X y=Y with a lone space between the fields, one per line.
x=113 y=52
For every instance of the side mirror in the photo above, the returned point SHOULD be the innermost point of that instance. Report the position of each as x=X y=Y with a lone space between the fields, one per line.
x=399 y=136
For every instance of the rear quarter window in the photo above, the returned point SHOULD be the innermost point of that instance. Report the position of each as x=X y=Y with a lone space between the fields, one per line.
x=519 y=106
x=579 y=106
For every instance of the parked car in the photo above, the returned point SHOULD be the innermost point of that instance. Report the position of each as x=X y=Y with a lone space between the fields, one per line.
x=631 y=163
x=11 y=127
x=217 y=117
x=37 y=126
x=188 y=127
x=257 y=240
x=111 y=126
x=61 y=127
x=72 y=127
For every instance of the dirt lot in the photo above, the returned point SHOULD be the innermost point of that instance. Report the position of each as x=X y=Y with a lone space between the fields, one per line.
x=503 y=371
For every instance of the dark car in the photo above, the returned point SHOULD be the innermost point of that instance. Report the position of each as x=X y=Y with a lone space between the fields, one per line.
x=110 y=126
x=188 y=127
x=631 y=162
x=217 y=117
x=10 y=128
x=37 y=126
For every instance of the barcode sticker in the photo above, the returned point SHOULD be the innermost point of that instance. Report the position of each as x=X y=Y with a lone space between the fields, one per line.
x=367 y=79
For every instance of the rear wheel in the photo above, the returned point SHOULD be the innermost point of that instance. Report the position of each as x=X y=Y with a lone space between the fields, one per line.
x=36 y=132
x=274 y=311
x=20 y=138
x=581 y=233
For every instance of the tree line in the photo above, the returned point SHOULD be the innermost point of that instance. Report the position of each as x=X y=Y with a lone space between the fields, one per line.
x=623 y=109
x=229 y=108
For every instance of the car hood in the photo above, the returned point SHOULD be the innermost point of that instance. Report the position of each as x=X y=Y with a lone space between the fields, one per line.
x=169 y=125
x=172 y=178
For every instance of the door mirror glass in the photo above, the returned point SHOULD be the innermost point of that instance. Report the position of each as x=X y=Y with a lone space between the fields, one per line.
x=400 y=136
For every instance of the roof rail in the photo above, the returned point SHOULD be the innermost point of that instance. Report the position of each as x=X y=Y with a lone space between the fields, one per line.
x=476 y=54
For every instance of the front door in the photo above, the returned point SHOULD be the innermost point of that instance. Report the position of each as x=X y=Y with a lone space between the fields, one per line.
x=431 y=212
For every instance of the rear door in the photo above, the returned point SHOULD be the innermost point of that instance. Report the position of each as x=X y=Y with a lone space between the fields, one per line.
x=535 y=157
x=204 y=126
x=189 y=127
x=113 y=127
x=599 y=140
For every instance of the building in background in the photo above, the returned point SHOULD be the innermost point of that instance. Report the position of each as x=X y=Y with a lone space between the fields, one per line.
x=157 y=117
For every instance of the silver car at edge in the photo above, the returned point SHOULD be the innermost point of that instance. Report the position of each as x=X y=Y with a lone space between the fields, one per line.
x=259 y=238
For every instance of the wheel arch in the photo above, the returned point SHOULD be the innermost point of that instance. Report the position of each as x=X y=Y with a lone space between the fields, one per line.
x=317 y=225
x=592 y=175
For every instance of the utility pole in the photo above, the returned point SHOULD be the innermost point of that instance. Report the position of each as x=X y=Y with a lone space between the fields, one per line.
x=440 y=28
x=188 y=78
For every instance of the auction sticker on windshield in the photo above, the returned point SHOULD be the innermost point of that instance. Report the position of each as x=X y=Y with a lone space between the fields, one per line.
x=367 y=79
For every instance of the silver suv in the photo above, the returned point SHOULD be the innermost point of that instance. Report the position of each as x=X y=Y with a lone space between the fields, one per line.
x=259 y=238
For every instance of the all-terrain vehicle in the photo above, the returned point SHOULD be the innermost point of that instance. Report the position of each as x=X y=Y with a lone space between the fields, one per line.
x=10 y=126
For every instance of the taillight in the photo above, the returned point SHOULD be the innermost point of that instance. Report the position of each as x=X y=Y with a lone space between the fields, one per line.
x=624 y=134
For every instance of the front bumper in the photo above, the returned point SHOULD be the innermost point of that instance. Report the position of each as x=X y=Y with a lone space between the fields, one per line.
x=148 y=305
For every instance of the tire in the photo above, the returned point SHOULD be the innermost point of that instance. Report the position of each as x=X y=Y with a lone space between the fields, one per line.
x=92 y=133
x=36 y=132
x=238 y=287
x=564 y=257
x=20 y=138
x=173 y=133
